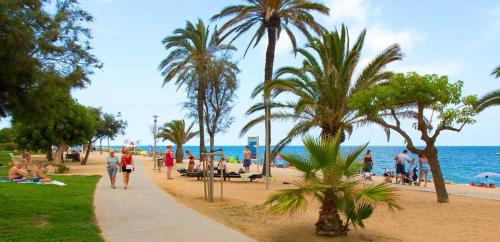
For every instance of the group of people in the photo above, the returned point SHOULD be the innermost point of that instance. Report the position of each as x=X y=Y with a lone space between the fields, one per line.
x=124 y=164
x=25 y=170
x=402 y=174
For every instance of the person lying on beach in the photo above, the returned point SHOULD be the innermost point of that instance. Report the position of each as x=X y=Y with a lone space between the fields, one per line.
x=39 y=173
x=17 y=172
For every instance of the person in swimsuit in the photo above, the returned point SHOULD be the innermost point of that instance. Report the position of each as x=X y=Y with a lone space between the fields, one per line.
x=27 y=160
x=112 y=165
x=191 y=161
x=368 y=162
x=17 y=172
x=423 y=163
x=39 y=173
x=247 y=160
x=127 y=164
x=169 y=161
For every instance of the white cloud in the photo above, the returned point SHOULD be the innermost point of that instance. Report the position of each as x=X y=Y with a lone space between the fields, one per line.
x=361 y=14
x=352 y=10
x=435 y=67
x=380 y=37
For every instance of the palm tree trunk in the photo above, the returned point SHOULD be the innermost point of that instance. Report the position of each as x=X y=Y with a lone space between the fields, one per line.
x=329 y=221
x=178 y=154
x=268 y=75
x=437 y=176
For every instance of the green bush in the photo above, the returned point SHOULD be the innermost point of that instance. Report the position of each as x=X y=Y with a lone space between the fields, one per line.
x=9 y=146
x=61 y=168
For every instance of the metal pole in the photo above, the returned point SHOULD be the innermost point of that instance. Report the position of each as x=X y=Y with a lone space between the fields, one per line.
x=154 y=137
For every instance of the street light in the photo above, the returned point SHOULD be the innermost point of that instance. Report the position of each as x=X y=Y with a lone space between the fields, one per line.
x=154 y=137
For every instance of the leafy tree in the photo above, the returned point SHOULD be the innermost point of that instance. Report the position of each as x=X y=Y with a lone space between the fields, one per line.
x=219 y=98
x=107 y=125
x=323 y=85
x=175 y=131
x=45 y=51
x=75 y=127
x=416 y=97
x=6 y=135
x=492 y=98
x=331 y=178
x=192 y=49
x=271 y=17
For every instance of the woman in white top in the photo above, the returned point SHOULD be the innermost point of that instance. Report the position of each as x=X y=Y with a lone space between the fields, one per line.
x=112 y=162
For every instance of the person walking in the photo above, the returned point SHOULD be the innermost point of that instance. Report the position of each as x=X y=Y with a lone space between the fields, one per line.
x=169 y=161
x=112 y=164
x=247 y=160
x=400 y=165
x=127 y=164
x=423 y=163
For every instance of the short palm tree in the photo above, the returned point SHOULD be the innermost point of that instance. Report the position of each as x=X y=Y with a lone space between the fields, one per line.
x=192 y=49
x=331 y=178
x=492 y=98
x=175 y=131
x=271 y=17
x=324 y=84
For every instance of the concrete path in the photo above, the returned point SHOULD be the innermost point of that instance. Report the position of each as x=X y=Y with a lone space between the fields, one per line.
x=144 y=212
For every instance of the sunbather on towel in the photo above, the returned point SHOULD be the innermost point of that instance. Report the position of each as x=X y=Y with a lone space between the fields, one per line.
x=17 y=172
x=39 y=173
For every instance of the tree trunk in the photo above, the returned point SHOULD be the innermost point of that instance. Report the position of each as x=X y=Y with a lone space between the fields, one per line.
x=87 y=152
x=49 y=156
x=437 y=175
x=212 y=144
x=329 y=222
x=178 y=154
x=58 y=159
x=100 y=146
x=268 y=76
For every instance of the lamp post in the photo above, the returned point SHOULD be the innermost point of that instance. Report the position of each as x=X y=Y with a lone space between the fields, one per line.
x=154 y=138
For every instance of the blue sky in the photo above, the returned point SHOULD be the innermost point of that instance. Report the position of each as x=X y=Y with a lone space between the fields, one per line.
x=458 y=39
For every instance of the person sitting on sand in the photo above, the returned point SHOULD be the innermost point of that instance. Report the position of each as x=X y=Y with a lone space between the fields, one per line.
x=17 y=172
x=39 y=173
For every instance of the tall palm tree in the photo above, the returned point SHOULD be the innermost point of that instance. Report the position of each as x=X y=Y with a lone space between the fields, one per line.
x=492 y=98
x=271 y=17
x=331 y=178
x=175 y=131
x=324 y=84
x=192 y=48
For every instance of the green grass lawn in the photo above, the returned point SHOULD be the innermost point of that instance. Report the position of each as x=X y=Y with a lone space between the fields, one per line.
x=30 y=212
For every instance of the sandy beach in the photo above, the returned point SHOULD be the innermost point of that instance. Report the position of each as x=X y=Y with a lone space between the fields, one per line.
x=422 y=218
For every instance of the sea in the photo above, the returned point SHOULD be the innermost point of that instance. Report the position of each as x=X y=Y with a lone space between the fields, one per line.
x=459 y=164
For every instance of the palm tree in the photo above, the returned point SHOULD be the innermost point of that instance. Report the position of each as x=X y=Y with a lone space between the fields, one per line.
x=492 y=98
x=175 y=131
x=324 y=84
x=331 y=178
x=192 y=48
x=271 y=16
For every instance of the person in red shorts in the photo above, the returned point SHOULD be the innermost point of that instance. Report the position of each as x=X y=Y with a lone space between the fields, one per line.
x=169 y=161
x=127 y=165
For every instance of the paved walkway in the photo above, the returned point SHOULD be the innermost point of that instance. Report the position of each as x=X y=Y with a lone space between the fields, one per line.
x=146 y=213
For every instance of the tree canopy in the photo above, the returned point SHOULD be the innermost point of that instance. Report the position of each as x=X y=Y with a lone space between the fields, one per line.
x=44 y=50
